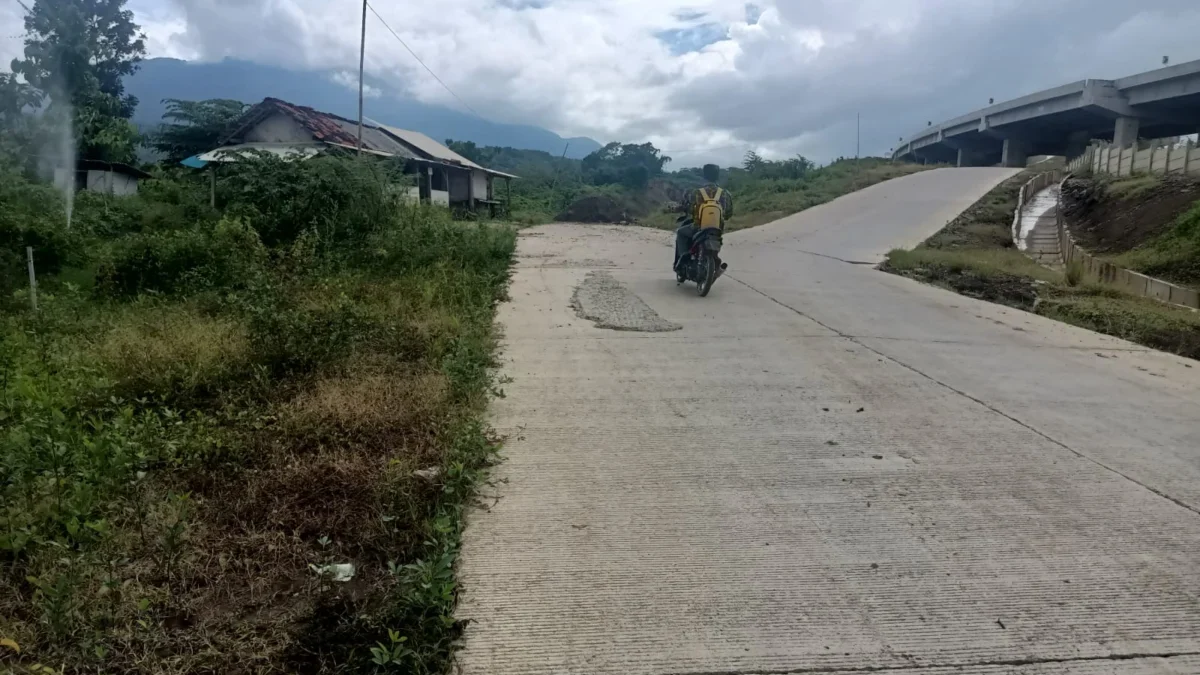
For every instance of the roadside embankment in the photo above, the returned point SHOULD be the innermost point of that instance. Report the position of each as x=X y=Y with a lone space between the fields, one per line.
x=1149 y=224
x=974 y=255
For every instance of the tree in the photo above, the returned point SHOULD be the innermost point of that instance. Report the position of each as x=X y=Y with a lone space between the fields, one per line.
x=16 y=97
x=195 y=126
x=629 y=164
x=18 y=129
x=78 y=52
x=467 y=149
x=798 y=166
x=752 y=162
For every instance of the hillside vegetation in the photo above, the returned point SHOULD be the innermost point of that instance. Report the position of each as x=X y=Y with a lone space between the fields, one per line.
x=630 y=183
x=764 y=191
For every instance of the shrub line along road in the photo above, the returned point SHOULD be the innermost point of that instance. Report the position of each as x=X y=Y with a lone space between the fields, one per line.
x=827 y=468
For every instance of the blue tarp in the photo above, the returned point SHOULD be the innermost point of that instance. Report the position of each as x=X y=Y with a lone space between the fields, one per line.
x=194 y=162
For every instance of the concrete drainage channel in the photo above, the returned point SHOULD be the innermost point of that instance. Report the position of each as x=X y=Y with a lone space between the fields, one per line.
x=606 y=302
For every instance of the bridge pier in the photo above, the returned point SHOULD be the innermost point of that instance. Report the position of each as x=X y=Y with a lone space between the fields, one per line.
x=1126 y=131
x=968 y=157
x=1015 y=153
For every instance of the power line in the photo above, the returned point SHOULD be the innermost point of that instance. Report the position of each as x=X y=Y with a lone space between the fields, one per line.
x=414 y=55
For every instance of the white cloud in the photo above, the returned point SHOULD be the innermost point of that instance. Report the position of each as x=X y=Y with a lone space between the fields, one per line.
x=780 y=76
x=349 y=80
x=12 y=32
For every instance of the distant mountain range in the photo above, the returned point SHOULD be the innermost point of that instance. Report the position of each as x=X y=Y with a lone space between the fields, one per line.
x=160 y=79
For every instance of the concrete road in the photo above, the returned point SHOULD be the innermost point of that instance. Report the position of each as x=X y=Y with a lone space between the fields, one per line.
x=821 y=468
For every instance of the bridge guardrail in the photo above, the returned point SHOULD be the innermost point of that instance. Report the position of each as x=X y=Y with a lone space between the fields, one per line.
x=1158 y=156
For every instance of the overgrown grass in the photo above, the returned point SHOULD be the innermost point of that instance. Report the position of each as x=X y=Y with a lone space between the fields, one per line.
x=241 y=402
x=1140 y=320
x=1133 y=187
x=1174 y=256
x=984 y=263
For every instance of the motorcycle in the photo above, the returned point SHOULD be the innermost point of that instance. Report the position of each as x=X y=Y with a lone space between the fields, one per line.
x=702 y=264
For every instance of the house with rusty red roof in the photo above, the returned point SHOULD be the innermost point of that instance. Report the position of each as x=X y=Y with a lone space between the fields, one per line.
x=298 y=132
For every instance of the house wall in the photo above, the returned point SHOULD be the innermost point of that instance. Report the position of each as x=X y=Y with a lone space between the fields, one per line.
x=479 y=178
x=63 y=178
x=412 y=194
x=459 y=185
x=112 y=183
x=278 y=128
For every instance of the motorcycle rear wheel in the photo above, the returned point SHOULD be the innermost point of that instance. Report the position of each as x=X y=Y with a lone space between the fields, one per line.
x=706 y=274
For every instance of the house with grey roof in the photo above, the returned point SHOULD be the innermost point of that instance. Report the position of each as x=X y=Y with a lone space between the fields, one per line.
x=298 y=132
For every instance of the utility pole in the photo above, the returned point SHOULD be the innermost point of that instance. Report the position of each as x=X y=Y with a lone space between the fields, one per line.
x=857 y=136
x=553 y=183
x=857 y=147
x=362 y=56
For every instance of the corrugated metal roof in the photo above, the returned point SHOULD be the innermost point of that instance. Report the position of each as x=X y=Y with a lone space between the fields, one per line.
x=374 y=139
x=323 y=126
x=434 y=150
x=429 y=147
x=339 y=131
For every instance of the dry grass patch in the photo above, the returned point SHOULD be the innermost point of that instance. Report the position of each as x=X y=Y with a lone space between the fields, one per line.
x=174 y=351
x=385 y=411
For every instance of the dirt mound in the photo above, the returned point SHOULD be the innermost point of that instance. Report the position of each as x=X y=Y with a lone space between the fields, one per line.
x=1109 y=217
x=596 y=209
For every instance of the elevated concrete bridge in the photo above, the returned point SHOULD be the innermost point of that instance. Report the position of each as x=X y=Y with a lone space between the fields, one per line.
x=1062 y=120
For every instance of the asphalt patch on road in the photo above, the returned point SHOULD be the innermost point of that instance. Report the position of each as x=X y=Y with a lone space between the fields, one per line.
x=606 y=302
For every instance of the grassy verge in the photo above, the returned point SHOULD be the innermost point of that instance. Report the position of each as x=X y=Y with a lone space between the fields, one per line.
x=974 y=256
x=242 y=441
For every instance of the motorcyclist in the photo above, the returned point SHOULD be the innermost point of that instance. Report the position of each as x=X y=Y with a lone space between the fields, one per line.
x=691 y=200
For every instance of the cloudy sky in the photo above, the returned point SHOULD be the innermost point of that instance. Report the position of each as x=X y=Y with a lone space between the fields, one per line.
x=702 y=79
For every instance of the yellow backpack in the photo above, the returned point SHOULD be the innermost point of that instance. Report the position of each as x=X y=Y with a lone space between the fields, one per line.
x=708 y=209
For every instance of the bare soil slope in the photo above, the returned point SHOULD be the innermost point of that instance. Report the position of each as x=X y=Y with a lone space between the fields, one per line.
x=1111 y=217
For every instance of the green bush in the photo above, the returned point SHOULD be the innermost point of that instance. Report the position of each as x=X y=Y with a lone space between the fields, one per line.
x=292 y=339
x=420 y=236
x=33 y=214
x=342 y=199
x=181 y=261
x=105 y=216
x=63 y=455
